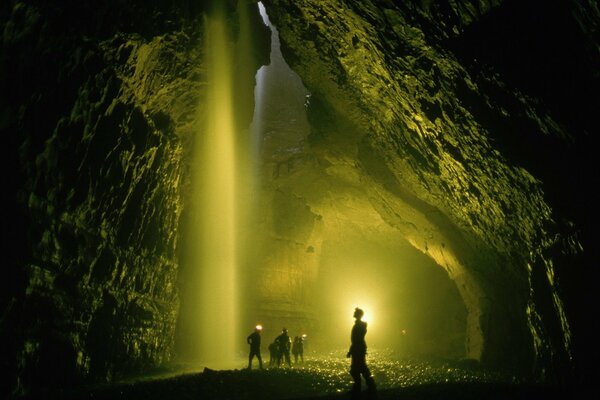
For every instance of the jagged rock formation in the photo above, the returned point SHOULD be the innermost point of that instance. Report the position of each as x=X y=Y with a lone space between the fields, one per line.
x=421 y=126
x=98 y=101
x=418 y=135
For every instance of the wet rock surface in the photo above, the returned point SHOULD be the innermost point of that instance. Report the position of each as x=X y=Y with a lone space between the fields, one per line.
x=435 y=136
x=324 y=377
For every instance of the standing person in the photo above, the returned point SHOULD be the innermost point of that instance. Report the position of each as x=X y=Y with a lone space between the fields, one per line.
x=254 y=341
x=358 y=352
x=298 y=348
x=284 y=343
x=273 y=353
x=303 y=337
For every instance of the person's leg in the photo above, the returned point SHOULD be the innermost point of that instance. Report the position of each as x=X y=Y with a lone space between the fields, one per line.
x=368 y=378
x=250 y=357
x=355 y=370
x=355 y=374
x=259 y=360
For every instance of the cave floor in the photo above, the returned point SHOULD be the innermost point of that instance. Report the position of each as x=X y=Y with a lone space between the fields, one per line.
x=320 y=377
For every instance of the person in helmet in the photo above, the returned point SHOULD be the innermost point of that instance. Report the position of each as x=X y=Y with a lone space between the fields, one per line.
x=284 y=343
x=254 y=341
x=358 y=353
x=273 y=353
x=298 y=348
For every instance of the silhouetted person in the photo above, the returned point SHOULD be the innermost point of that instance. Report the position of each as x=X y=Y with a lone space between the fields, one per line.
x=254 y=341
x=298 y=349
x=283 y=346
x=358 y=352
x=273 y=353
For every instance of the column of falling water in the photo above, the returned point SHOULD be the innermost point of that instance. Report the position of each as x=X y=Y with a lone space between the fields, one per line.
x=216 y=170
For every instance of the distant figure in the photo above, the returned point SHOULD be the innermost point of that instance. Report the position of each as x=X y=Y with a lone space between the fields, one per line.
x=254 y=341
x=298 y=348
x=358 y=352
x=273 y=353
x=303 y=337
x=283 y=347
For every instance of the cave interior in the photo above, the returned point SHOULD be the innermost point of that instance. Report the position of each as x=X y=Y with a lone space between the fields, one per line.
x=182 y=171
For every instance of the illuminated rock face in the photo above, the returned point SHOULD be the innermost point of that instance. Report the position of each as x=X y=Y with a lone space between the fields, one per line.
x=410 y=150
x=420 y=134
x=99 y=181
x=321 y=247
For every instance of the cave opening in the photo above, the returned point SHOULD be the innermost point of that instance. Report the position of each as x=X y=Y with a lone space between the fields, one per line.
x=416 y=311
x=312 y=245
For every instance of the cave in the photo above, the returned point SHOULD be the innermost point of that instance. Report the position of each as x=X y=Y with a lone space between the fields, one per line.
x=180 y=172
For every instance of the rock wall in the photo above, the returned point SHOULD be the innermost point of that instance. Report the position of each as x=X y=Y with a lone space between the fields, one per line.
x=436 y=138
x=99 y=107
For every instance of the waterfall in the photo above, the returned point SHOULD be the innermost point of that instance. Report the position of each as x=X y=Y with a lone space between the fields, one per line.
x=216 y=170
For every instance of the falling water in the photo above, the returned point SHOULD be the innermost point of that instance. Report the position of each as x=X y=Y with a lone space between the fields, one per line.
x=226 y=184
x=217 y=301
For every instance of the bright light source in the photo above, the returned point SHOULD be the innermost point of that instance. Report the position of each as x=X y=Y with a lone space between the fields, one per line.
x=368 y=314
x=259 y=327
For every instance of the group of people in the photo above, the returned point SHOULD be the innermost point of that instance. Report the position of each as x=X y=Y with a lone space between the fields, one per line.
x=280 y=351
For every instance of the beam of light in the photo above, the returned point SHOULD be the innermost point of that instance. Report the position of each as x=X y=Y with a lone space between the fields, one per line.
x=217 y=259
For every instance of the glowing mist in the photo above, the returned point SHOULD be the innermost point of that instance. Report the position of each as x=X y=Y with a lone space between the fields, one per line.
x=216 y=169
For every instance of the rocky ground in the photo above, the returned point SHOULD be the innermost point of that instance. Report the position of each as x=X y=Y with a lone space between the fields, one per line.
x=323 y=377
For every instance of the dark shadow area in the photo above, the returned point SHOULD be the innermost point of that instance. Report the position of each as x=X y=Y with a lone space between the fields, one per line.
x=547 y=51
x=543 y=51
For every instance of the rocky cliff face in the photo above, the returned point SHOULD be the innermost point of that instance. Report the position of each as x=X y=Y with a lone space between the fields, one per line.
x=99 y=170
x=432 y=120
x=418 y=132
x=98 y=101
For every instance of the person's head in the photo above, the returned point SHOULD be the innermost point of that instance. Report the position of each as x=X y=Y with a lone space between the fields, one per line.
x=258 y=328
x=358 y=313
x=284 y=331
